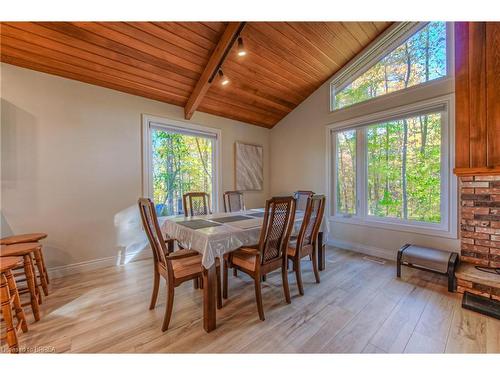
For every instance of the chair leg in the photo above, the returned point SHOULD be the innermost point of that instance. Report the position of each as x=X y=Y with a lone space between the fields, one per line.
x=235 y=272
x=156 y=286
x=30 y=280
x=196 y=283
x=315 y=265
x=11 y=335
x=170 y=305
x=201 y=282
x=44 y=267
x=284 y=276
x=298 y=275
x=224 y=279
x=258 y=297
x=219 y=291
x=264 y=278
x=21 y=318
x=41 y=273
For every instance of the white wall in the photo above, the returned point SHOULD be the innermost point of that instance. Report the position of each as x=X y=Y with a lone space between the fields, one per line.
x=298 y=162
x=71 y=163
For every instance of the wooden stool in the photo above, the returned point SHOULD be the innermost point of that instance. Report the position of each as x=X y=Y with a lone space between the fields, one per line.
x=25 y=250
x=9 y=298
x=28 y=237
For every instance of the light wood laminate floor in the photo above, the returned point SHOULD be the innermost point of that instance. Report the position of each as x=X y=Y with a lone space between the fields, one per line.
x=360 y=306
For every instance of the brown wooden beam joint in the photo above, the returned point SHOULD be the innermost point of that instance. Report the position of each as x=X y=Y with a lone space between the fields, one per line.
x=226 y=42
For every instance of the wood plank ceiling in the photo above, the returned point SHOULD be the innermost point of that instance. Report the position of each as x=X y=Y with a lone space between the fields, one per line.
x=285 y=61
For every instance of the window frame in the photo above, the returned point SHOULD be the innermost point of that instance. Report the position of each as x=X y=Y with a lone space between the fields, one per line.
x=447 y=227
x=150 y=122
x=389 y=40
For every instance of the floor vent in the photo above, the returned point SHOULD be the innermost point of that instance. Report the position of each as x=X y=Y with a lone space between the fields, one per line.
x=375 y=259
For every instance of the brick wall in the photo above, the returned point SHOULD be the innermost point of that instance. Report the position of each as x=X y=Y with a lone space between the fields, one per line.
x=478 y=288
x=480 y=220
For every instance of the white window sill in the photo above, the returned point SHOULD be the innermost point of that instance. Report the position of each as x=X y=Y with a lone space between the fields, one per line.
x=437 y=230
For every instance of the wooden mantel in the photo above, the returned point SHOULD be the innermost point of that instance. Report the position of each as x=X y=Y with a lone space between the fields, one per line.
x=477 y=92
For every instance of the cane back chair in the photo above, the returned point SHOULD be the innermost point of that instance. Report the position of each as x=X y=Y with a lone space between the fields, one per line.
x=306 y=242
x=301 y=197
x=233 y=201
x=270 y=253
x=196 y=203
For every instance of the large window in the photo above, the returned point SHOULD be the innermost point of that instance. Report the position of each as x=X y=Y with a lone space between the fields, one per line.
x=391 y=161
x=393 y=167
x=181 y=158
x=420 y=58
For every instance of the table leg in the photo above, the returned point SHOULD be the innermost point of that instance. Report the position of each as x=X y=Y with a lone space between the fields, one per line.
x=209 y=302
x=321 y=252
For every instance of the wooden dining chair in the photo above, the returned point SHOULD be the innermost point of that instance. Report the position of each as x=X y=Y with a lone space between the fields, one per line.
x=301 y=197
x=196 y=203
x=234 y=201
x=270 y=254
x=175 y=267
x=10 y=301
x=306 y=242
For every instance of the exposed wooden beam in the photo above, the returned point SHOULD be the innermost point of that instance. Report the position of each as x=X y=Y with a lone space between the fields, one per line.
x=220 y=52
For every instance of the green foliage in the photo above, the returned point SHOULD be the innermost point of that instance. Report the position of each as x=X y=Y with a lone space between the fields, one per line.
x=420 y=59
x=346 y=172
x=403 y=156
x=181 y=163
x=419 y=199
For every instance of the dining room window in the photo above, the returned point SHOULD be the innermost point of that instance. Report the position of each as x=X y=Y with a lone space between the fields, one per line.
x=392 y=169
x=181 y=158
x=407 y=57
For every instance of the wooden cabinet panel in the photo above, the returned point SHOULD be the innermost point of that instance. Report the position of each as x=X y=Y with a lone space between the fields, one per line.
x=493 y=92
x=477 y=93
x=462 y=135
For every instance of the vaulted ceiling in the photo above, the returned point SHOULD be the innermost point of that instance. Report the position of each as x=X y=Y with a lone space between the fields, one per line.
x=166 y=61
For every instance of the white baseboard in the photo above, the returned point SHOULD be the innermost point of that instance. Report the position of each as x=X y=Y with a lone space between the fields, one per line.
x=364 y=249
x=95 y=264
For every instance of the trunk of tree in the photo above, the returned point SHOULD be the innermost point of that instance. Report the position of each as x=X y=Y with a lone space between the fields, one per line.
x=343 y=180
x=386 y=81
x=403 y=169
x=386 y=192
x=424 y=124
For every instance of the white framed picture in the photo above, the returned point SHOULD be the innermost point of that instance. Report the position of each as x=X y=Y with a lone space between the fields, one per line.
x=249 y=167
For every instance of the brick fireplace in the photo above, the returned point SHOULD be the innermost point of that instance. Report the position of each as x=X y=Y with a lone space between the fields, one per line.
x=480 y=235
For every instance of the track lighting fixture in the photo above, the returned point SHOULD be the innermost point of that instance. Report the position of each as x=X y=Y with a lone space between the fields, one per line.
x=241 y=47
x=223 y=79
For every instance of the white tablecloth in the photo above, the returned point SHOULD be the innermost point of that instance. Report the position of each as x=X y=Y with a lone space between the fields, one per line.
x=214 y=242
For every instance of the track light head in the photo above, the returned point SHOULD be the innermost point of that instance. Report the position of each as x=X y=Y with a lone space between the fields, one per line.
x=241 y=47
x=223 y=79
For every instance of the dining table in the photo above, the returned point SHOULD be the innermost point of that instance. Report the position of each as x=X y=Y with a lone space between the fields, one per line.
x=215 y=235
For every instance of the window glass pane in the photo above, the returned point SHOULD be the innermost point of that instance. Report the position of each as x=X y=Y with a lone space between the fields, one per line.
x=424 y=168
x=346 y=172
x=404 y=166
x=181 y=163
x=385 y=196
x=420 y=59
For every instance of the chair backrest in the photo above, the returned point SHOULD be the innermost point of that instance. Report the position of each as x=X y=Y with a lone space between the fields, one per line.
x=301 y=197
x=311 y=223
x=233 y=201
x=276 y=228
x=152 y=228
x=196 y=203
